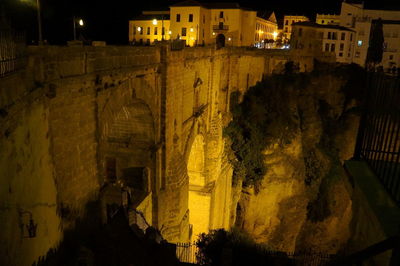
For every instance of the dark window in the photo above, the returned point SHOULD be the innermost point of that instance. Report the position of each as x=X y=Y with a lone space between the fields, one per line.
x=155 y=31
x=203 y=33
x=148 y=42
x=178 y=17
x=323 y=21
x=221 y=14
x=141 y=30
x=204 y=19
x=183 y=31
x=190 y=17
x=286 y=22
x=343 y=36
x=327 y=47
x=300 y=32
x=329 y=35
x=332 y=47
x=134 y=30
x=148 y=30
x=111 y=169
x=334 y=35
x=221 y=25
x=341 y=54
x=391 y=57
x=341 y=46
x=163 y=31
x=351 y=36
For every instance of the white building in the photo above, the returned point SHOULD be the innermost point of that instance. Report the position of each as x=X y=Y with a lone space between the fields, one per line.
x=359 y=19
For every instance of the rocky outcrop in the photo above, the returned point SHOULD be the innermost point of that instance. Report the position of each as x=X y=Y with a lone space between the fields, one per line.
x=304 y=199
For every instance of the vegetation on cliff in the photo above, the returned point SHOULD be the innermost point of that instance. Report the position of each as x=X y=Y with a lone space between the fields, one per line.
x=269 y=113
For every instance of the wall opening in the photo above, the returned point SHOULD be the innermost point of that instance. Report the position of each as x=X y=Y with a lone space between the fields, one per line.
x=220 y=41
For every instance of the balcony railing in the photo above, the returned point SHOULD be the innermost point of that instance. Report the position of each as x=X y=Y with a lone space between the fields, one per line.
x=378 y=141
x=220 y=27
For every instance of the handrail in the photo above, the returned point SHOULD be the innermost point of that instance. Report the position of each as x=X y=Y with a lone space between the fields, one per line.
x=371 y=251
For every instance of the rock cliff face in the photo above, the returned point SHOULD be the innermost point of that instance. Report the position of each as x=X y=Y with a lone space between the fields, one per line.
x=303 y=201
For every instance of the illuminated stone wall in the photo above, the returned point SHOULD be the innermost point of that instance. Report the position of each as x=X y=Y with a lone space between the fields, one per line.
x=74 y=107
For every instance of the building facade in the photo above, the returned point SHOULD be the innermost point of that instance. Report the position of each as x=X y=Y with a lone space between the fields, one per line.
x=204 y=24
x=150 y=27
x=287 y=25
x=266 y=30
x=315 y=38
x=359 y=19
x=328 y=19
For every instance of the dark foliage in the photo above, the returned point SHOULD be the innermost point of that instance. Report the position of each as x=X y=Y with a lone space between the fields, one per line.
x=90 y=243
x=220 y=247
x=375 y=48
x=266 y=116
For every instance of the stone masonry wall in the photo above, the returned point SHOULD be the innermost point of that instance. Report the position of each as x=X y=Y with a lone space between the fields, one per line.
x=53 y=120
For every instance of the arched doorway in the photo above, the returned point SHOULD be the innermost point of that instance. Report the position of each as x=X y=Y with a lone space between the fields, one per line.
x=220 y=41
x=127 y=155
x=199 y=197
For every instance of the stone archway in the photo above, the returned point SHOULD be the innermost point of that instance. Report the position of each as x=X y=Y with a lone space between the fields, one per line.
x=199 y=196
x=220 y=40
x=127 y=154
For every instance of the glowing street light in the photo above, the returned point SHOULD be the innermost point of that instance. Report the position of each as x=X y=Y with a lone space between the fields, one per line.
x=155 y=22
x=139 y=29
x=80 y=23
x=275 y=34
x=191 y=29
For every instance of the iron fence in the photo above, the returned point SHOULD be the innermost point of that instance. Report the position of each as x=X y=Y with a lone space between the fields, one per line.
x=188 y=253
x=12 y=50
x=378 y=141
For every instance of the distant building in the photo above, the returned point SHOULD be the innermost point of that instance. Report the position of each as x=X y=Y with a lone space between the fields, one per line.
x=314 y=38
x=328 y=19
x=150 y=27
x=354 y=16
x=287 y=25
x=203 y=24
x=266 y=29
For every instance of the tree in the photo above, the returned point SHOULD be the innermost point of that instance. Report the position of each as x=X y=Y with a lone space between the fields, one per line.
x=376 y=43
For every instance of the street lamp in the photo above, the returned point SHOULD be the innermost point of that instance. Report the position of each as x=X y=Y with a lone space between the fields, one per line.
x=80 y=23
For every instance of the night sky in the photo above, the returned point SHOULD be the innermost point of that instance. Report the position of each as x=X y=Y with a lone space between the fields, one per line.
x=108 y=20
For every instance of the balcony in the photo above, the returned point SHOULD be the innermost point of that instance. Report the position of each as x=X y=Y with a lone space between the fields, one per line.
x=220 y=27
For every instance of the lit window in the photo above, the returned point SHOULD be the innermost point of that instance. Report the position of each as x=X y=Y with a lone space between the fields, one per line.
x=360 y=42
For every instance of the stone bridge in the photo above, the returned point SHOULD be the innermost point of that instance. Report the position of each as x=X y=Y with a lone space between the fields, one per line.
x=77 y=117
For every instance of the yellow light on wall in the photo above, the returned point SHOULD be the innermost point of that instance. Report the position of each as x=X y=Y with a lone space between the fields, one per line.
x=191 y=30
x=213 y=33
x=139 y=29
x=229 y=39
x=155 y=21
x=169 y=32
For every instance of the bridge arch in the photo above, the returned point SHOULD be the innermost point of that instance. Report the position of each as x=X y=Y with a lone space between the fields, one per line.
x=199 y=195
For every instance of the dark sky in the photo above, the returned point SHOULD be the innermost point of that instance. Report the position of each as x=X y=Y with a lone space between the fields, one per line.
x=108 y=20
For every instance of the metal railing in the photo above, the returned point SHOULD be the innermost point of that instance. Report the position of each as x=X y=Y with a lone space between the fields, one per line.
x=12 y=50
x=188 y=253
x=378 y=141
